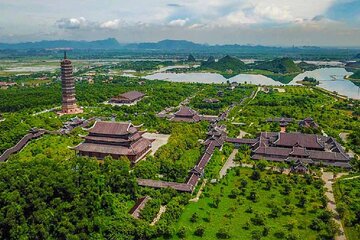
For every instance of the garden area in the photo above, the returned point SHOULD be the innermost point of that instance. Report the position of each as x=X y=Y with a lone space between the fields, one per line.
x=254 y=204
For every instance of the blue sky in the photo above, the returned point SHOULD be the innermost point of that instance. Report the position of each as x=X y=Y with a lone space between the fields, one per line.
x=267 y=22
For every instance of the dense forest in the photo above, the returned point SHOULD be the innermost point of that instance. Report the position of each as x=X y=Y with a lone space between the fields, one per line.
x=78 y=199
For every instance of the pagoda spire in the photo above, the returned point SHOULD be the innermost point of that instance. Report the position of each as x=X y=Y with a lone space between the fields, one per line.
x=65 y=54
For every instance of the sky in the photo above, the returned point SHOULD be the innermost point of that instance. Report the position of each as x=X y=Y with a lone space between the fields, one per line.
x=264 y=22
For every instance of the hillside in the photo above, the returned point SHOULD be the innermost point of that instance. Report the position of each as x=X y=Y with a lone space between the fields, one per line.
x=227 y=66
x=307 y=66
x=355 y=78
x=356 y=75
x=279 y=65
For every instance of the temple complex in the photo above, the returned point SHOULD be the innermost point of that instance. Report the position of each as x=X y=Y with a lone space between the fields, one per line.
x=114 y=139
x=290 y=147
x=69 y=105
x=127 y=98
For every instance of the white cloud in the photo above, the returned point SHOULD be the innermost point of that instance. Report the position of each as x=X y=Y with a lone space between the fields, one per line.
x=72 y=23
x=111 y=24
x=178 y=22
x=272 y=12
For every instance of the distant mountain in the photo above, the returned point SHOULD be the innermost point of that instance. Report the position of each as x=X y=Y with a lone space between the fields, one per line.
x=279 y=65
x=173 y=45
x=191 y=58
x=110 y=43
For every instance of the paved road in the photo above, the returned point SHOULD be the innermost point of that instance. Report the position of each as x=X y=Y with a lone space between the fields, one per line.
x=327 y=177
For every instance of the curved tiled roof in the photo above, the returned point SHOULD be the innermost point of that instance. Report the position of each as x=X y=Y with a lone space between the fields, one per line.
x=112 y=128
x=185 y=111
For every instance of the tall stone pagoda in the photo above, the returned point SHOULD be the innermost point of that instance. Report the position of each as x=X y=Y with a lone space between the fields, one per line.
x=69 y=105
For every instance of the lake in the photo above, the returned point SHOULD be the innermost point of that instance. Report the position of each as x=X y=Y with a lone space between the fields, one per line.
x=331 y=79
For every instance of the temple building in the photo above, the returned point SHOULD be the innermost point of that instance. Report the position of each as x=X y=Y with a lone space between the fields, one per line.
x=290 y=147
x=216 y=135
x=139 y=205
x=69 y=105
x=127 y=98
x=308 y=123
x=114 y=139
x=185 y=114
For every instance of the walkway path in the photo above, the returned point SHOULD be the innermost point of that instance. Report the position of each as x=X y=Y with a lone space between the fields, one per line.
x=229 y=164
x=46 y=110
x=328 y=177
x=349 y=178
x=158 y=216
x=195 y=199
x=256 y=92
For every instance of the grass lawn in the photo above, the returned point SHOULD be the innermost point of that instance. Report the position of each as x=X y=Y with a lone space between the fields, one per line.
x=347 y=195
x=277 y=213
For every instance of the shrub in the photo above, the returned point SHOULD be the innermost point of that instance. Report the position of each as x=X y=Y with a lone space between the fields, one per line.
x=199 y=231
x=253 y=196
x=182 y=232
x=261 y=165
x=258 y=219
x=255 y=175
x=223 y=233
x=256 y=235
x=280 y=235
x=194 y=218
x=265 y=231
x=234 y=193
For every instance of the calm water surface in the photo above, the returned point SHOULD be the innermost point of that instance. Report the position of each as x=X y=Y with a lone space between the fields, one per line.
x=331 y=79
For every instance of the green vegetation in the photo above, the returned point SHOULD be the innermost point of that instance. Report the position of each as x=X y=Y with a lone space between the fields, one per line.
x=355 y=78
x=279 y=65
x=333 y=116
x=270 y=206
x=309 y=81
x=173 y=160
x=307 y=66
x=347 y=190
x=66 y=199
x=214 y=99
x=228 y=66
